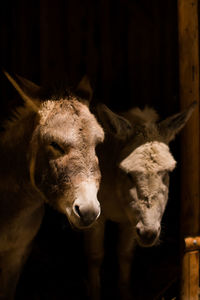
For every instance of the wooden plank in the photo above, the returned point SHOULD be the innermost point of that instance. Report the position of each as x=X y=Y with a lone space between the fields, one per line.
x=142 y=41
x=53 y=47
x=189 y=91
x=25 y=41
x=190 y=278
x=104 y=20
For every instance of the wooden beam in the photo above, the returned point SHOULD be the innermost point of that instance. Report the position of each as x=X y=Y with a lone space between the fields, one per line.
x=189 y=91
x=190 y=269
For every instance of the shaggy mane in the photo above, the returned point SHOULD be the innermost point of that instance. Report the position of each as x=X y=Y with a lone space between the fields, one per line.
x=23 y=111
x=16 y=116
x=146 y=116
x=154 y=156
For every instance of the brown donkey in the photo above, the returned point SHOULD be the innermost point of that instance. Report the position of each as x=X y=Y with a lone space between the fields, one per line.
x=47 y=155
x=134 y=187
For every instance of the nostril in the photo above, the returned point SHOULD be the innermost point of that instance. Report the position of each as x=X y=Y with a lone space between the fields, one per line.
x=77 y=210
x=152 y=235
x=146 y=235
x=138 y=231
x=85 y=214
x=149 y=235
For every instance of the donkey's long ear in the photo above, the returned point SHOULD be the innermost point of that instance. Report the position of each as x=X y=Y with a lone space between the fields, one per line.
x=84 y=90
x=113 y=123
x=28 y=90
x=172 y=125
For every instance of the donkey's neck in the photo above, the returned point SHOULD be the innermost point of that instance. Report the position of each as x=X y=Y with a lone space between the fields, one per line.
x=109 y=157
x=14 y=144
x=18 y=126
x=111 y=146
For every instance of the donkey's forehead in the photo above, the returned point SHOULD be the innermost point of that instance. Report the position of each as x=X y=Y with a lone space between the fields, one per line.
x=54 y=108
x=149 y=157
x=69 y=118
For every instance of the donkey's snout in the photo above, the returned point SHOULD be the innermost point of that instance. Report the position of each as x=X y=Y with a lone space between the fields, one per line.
x=147 y=236
x=86 y=214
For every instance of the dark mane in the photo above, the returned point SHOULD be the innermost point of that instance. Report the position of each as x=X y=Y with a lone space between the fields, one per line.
x=62 y=90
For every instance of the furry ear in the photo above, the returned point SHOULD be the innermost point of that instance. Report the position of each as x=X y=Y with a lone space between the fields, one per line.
x=172 y=125
x=28 y=90
x=84 y=90
x=113 y=123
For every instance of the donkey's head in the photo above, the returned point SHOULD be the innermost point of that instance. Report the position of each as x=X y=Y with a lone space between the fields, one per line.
x=144 y=165
x=63 y=166
x=147 y=168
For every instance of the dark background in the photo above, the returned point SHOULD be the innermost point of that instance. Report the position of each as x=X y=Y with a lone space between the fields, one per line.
x=129 y=50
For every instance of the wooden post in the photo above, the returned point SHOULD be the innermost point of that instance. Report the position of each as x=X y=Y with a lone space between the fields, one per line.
x=189 y=91
x=190 y=269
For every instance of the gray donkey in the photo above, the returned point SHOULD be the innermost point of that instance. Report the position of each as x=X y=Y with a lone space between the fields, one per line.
x=47 y=155
x=134 y=187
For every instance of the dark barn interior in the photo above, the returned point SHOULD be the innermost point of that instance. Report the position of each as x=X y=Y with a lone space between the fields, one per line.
x=129 y=50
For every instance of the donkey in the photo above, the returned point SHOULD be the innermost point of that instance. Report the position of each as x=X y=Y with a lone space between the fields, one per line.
x=134 y=187
x=47 y=155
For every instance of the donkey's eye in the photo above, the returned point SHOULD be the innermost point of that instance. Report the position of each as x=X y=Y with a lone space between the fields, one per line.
x=98 y=141
x=130 y=177
x=57 y=147
x=165 y=176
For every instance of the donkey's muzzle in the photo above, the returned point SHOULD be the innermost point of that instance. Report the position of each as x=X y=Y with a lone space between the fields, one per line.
x=147 y=236
x=87 y=214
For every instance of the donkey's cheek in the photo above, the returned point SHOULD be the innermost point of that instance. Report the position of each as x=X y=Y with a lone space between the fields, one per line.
x=49 y=182
x=64 y=203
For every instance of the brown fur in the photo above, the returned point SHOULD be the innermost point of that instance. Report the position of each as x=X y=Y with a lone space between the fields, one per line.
x=47 y=155
x=134 y=187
